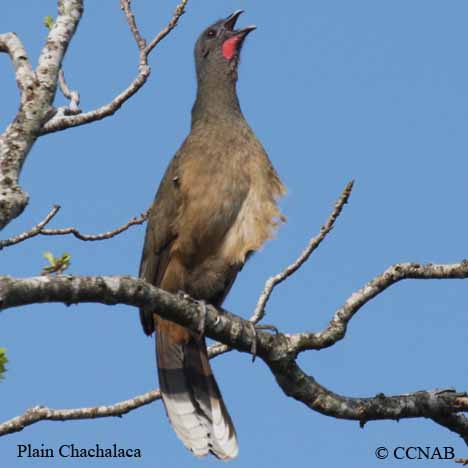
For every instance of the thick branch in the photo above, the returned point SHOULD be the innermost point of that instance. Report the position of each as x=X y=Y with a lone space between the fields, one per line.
x=336 y=329
x=61 y=122
x=436 y=404
x=112 y=290
x=11 y=44
x=277 y=351
x=37 y=94
x=220 y=325
x=126 y=7
x=13 y=149
x=454 y=422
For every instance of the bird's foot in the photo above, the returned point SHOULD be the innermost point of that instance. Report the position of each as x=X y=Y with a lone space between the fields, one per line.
x=202 y=322
x=255 y=328
x=271 y=328
x=203 y=311
x=182 y=294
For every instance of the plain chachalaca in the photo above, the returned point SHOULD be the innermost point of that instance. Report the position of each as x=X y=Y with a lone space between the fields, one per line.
x=215 y=206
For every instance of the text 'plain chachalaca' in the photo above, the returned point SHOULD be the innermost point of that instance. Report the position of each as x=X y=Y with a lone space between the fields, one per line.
x=216 y=205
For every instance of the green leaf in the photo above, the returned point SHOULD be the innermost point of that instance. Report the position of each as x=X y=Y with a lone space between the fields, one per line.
x=66 y=257
x=49 y=257
x=3 y=361
x=63 y=262
x=48 y=22
x=57 y=264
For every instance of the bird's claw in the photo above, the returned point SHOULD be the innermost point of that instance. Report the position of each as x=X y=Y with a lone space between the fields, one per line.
x=203 y=311
x=255 y=328
x=271 y=328
x=202 y=322
x=182 y=294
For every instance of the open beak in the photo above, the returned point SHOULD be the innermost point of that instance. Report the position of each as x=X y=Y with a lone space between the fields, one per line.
x=230 y=23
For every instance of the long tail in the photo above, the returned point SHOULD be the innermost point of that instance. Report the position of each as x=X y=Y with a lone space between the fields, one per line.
x=192 y=398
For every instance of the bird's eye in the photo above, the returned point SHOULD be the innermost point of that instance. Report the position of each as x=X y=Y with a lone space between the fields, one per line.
x=211 y=33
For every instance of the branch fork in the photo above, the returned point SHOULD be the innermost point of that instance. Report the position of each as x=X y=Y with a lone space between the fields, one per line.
x=279 y=352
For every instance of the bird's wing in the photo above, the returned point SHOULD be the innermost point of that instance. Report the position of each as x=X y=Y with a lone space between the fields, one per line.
x=197 y=203
x=160 y=235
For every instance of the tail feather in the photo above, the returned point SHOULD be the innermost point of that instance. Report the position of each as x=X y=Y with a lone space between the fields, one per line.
x=192 y=398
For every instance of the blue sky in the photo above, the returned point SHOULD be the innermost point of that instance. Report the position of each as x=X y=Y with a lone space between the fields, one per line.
x=335 y=90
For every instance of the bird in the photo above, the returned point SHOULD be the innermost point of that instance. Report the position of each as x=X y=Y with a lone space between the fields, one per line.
x=217 y=204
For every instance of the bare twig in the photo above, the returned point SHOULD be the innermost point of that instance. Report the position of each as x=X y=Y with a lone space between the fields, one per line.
x=259 y=312
x=61 y=122
x=179 y=11
x=39 y=229
x=125 y=5
x=95 y=237
x=272 y=282
x=336 y=329
x=72 y=96
x=32 y=232
x=41 y=413
x=463 y=461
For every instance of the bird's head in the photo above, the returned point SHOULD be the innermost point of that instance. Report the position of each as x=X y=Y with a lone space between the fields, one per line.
x=218 y=48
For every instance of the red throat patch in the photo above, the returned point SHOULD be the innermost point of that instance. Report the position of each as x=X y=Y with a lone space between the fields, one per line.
x=229 y=47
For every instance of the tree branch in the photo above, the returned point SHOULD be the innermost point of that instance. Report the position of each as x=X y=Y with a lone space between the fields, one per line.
x=37 y=94
x=61 y=122
x=36 y=116
x=37 y=229
x=95 y=237
x=435 y=404
x=272 y=282
x=125 y=6
x=12 y=148
x=336 y=329
x=278 y=351
x=112 y=290
x=11 y=44
x=41 y=413
x=454 y=422
x=72 y=96
x=179 y=11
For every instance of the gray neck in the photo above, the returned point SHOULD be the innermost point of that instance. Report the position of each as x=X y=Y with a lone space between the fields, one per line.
x=216 y=99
